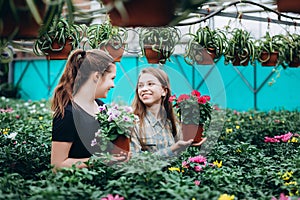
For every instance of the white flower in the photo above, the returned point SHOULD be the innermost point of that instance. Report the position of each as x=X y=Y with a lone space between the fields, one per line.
x=12 y=135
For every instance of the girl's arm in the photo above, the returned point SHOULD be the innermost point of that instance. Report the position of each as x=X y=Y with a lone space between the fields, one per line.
x=59 y=156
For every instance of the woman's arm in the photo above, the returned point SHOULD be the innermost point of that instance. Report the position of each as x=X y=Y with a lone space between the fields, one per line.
x=59 y=156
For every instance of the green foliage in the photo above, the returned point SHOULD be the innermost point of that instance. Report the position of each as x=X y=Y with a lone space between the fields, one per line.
x=240 y=46
x=102 y=34
x=239 y=161
x=161 y=39
x=210 y=39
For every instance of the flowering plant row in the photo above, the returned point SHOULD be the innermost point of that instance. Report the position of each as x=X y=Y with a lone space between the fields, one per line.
x=192 y=108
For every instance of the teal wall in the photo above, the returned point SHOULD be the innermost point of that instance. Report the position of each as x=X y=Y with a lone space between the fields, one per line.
x=240 y=88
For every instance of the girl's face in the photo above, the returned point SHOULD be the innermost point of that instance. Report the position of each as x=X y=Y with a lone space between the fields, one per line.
x=150 y=90
x=106 y=83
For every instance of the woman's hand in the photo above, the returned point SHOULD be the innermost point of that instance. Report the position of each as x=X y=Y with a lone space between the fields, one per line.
x=181 y=145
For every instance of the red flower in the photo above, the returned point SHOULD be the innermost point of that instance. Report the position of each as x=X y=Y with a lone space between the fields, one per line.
x=172 y=98
x=206 y=97
x=202 y=100
x=183 y=97
x=196 y=93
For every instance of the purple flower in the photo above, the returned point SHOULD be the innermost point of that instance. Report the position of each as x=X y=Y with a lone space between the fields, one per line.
x=94 y=142
x=102 y=108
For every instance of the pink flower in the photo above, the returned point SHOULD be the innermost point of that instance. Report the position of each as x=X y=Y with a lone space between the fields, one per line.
x=198 y=168
x=198 y=159
x=172 y=98
x=282 y=197
x=196 y=93
x=284 y=137
x=197 y=182
x=111 y=197
x=185 y=164
x=182 y=98
x=271 y=140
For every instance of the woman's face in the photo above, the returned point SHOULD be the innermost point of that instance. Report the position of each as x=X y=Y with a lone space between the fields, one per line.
x=106 y=83
x=150 y=90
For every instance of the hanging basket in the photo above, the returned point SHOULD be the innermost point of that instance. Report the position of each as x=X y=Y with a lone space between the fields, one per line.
x=288 y=6
x=154 y=56
x=269 y=59
x=117 y=54
x=142 y=13
x=295 y=62
x=206 y=56
x=59 y=54
x=237 y=61
x=27 y=27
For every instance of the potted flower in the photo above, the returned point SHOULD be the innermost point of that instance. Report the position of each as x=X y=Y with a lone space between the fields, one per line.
x=270 y=49
x=206 y=46
x=158 y=44
x=59 y=40
x=240 y=49
x=194 y=112
x=116 y=123
x=107 y=37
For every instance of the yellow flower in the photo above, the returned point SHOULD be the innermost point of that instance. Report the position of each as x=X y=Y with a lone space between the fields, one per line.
x=175 y=169
x=250 y=117
x=291 y=183
x=239 y=151
x=237 y=127
x=40 y=118
x=287 y=175
x=295 y=140
x=226 y=197
x=228 y=130
x=5 y=131
x=217 y=163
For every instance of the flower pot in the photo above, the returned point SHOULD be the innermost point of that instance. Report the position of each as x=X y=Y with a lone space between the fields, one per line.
x=142 y=13
x=192 y=131
x=295 y=62
x=115 y=53
x=154 y=57
x=57 y=54
x=288 y=6
x=27 y=27
x=237 y=61
x=269 y=59
x=121 y=144
x=206 y=56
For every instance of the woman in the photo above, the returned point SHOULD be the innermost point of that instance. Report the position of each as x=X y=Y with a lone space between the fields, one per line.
x=88 y=75
x=158 y=131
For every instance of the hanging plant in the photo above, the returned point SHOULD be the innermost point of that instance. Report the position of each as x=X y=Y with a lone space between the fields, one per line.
x=158 y=42
x=270 y=49
x=292 y=50
x=240 y=48
x=107 y=37
x=60 y=35
x=205 y=43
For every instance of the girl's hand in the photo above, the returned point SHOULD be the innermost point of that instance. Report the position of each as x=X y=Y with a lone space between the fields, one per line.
x=181 y=145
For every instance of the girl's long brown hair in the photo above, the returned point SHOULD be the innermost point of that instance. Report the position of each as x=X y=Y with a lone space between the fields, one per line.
x=78 y=69
x=139 y=107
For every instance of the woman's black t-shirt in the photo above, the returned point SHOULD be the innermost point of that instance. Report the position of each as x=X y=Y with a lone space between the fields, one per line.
x=77 y=127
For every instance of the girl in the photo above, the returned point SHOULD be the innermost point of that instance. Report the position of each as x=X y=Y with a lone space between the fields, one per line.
x=158 y=130
x=88 y=75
